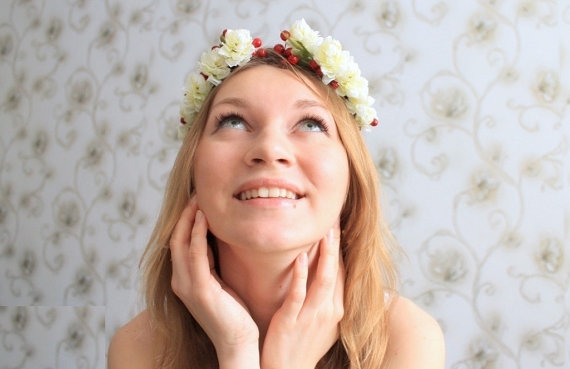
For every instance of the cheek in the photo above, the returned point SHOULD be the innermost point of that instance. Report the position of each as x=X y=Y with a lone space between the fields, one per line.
x=333 y=179
x=335 y=170
x=213 y=169
x=205 y=182
x=205 y=174
x=208 y=160
x=200 y=174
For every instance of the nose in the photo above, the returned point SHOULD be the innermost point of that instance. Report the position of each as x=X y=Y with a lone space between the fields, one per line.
x=270 y=147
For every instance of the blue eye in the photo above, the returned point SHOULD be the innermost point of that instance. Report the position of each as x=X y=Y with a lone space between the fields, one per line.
x=231 y=121
x=310 y=124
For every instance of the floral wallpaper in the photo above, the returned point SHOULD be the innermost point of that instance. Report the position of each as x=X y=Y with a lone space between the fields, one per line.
x=472 y=149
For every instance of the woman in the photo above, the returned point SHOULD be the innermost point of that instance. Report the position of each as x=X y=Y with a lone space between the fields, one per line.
x=269 y=251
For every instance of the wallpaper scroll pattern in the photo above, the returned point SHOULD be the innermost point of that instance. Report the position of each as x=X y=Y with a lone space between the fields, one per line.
x=473 y=151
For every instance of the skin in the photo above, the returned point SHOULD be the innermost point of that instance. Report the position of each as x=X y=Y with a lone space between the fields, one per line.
x=278 y=298
x=307 y=318
x=272 y=144
x=271 y=243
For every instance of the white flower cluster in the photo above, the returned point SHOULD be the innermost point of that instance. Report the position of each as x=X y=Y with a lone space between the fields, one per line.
x=236 y=49
x=335 y=64
x=324 y=56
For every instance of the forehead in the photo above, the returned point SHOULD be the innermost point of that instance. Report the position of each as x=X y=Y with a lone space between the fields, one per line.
x=268 y=85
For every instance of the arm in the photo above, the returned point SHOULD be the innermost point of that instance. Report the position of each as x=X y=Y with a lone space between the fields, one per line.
x=416 y=340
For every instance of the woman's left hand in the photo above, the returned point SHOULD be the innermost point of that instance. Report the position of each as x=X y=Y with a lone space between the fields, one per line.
x=306 y=326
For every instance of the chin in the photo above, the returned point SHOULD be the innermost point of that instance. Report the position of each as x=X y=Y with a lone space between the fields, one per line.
x=268 y=241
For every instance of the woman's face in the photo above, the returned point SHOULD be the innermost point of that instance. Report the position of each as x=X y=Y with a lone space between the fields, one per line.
x=270 y=170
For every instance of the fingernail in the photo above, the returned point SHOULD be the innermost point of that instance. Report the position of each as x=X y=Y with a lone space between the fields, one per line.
x=199 y=215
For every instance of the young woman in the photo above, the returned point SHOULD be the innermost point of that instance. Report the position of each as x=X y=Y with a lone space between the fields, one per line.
x=270 y=251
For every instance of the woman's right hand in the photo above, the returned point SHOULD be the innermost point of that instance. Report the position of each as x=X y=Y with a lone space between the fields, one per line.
x=214 y=305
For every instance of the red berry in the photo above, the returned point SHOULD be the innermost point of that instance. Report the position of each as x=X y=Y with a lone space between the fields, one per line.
x=285 y=35
x=261 y=53
x=182 y=120
x=279 y=48
x=374 y=122
x=288 y=51
x=293 y=59
x=319 y=72
x=313 y=64
x=256 y=42
x=334 y=84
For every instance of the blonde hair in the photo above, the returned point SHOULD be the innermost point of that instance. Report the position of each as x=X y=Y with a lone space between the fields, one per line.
x=365 y=246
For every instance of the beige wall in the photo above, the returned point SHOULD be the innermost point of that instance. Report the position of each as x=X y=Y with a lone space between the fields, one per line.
x=473 y=149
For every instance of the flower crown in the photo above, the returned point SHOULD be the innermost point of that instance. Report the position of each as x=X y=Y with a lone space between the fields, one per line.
x=303 y=47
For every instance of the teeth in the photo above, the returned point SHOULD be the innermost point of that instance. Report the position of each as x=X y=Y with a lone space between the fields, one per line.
x=265 y=192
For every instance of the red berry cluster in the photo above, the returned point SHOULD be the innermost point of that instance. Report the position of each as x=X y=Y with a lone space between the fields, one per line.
x=294 y=59
x=286 y=52
x=259 y=52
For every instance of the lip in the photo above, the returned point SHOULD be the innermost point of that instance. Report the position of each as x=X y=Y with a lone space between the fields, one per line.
x=269 y=182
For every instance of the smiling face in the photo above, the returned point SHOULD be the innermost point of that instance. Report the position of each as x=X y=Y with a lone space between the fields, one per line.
x=270 y=170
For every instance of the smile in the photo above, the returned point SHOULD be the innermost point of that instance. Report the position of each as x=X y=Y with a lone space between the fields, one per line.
x=267 y=192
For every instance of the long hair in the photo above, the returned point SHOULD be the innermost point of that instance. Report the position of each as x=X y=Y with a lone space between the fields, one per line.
x=366 y=247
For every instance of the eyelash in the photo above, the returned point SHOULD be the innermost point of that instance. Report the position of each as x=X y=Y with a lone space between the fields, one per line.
x=320 y=121
x=221 y=118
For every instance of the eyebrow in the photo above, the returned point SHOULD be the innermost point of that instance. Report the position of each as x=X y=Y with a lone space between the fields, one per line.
x=232 y=101
x=307 y=103
x=299 y=104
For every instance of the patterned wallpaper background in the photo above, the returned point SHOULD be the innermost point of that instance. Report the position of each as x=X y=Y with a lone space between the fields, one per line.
x=473 y=150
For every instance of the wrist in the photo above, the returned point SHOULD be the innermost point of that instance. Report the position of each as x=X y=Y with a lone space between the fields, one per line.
x=284 y=364
x=239 y=357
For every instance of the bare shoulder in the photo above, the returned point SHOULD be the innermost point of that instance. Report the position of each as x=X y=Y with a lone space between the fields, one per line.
x=132 y=345
x=416 y=340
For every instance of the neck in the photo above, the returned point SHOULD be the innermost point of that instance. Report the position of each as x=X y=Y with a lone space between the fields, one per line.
x=261 y=279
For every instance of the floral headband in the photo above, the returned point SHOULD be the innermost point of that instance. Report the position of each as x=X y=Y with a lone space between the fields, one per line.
x=303 y=47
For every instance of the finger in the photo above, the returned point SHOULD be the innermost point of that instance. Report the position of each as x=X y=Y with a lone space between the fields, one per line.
x=182 y=229
x=198 y=262
x=296 y=296
x=180 y=238
x=323 y=287
x=338 y=298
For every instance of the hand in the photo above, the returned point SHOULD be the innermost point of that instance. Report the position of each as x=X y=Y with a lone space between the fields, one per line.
x=215 y=306
x=306 y=326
